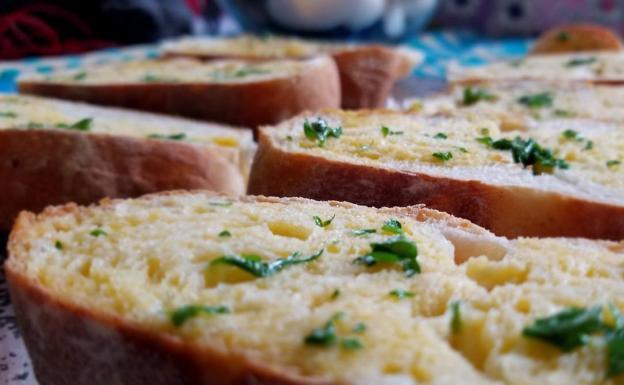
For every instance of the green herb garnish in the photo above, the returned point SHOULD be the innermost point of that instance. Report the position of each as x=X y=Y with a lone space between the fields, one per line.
x=351 y=343
x=571 y=134
x=564 y=113
x=385 y=131
x=321 y=223
x=528 y=153
x=440 y=135
x=580 y=61
x=335 y=294
x=8 y=114
x=360 y=232
x=239 y=73
x=98 y=232
x=80 y=75
x=181 y=315
x=225 y=234
x=150 y=78
x=544 y=99
x=221 y=204
x=401 y=294
x=324 y=335
x=58 y=244
x=397 y=249
x=613 y=163
x=359 y=327
x=320 y=131
x=179 y=136
x=456 y=320
x=567 y=329
x=253 y=264
x=392 y=226
x=475 y=95
x=588 y=145
x=443 y=156
x=81 y=125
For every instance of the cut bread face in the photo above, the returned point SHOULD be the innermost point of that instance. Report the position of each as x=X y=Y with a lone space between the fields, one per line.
x=549 y=182
x=575 y=38
x=215 y=91
x=367 y=72
x=132 y=288
x=596 y=67
x=526 y=105
x=55 y=152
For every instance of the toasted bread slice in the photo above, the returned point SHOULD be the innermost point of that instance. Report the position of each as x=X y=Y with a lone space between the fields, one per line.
x=230 y=91
x=367 y=72
x=575 y=38
x=549 y=182
x=595 y=67
x=53 y=152
x=526 y=105
x=139 y=292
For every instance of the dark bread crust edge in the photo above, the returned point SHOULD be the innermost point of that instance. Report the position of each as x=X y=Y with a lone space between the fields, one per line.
x=45 y=167
x=248 y=104
x=505 y=210
x=71 y=345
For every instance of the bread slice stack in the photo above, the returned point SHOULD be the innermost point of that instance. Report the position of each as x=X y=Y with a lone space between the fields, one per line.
x=235 y=92
x=560 y=180
x=191 y=288
x=53 y=152
x=529 y=104
x=367 y=72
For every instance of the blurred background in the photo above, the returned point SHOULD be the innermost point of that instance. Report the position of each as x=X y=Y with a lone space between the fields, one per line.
x=38 y=28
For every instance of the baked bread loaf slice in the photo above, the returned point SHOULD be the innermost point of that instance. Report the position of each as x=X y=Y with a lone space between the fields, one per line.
x=577 y=37
x=595 y=67
x=155 y=291
x=53 y=152
x=229 y=91
x=526 y=105
x=367 y=72
x=555 y=181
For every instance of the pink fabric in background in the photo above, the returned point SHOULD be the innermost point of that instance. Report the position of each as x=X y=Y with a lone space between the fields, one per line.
x=512 y=17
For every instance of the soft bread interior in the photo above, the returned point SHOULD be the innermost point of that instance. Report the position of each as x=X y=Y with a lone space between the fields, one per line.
x=179 y=70
x=593 y=66
x=410 y=142
x=151 y=256
x=568 y=103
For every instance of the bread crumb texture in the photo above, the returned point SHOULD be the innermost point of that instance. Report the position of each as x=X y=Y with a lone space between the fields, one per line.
x=34 y=113
x=141 y=260
x=585 y=161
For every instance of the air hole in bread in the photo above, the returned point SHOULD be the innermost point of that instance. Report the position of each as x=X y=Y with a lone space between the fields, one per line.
x=468 y=245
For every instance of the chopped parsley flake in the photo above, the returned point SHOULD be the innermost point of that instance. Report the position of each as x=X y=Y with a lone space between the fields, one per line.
x=443 y=156
x=544 y=99
x=359 y=327
x=440 y=135
x=320 y=131
x=397 y=249
x=179 y=136
x=79 y=76
x=402 y=294
x=221 y=204
x=321 y=223
x=360 y=232
x=335 y=294
x=528 y=153
x=8 y=114
x=392 y=226
x=81 y=125
x=564 y=113
x=98 y=232
x=327 y=335
x=254 y=265
x=225 y=234
x=351 y=343
x=580 y=61
x=571 y=134
x=475 y=95
x=181 y=315
x=456 y=320
x=58 y=244
x=613 y=163
x=385 y=131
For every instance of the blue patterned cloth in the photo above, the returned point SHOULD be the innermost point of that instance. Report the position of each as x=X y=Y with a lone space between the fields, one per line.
x=440 y=49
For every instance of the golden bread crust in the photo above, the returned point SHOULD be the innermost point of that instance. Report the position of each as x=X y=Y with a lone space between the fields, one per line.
x=575 y=38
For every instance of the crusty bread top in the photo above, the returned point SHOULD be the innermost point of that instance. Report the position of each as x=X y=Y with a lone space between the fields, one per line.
x=416 y=143
x=503 y=101
x=577 y=37
x=138 y=261
x=37 y=113
x=179 y=70
x=588 y=66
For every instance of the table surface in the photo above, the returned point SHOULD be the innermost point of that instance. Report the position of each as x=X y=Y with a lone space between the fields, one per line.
x=440 y=49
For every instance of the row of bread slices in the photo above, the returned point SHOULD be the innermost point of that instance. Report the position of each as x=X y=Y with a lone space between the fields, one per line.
x=244 y=81
x=196 y=288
